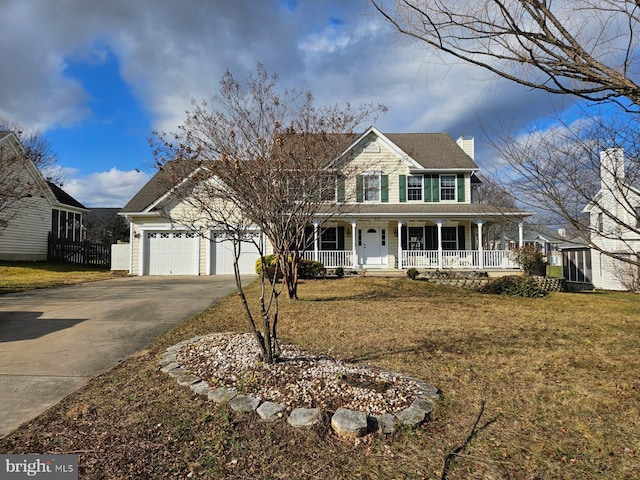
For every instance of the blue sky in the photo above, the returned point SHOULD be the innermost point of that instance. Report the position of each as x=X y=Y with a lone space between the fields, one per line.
x=99 y=77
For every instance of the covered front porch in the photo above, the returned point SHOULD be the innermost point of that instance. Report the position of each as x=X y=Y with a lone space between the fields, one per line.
x=439 y=244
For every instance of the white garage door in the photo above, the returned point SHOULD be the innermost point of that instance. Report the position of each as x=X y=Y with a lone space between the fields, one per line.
x=222 y=256
x=171 y=253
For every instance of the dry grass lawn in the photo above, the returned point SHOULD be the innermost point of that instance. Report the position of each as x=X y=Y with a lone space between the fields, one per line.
x=20 y=276
x=560 y=377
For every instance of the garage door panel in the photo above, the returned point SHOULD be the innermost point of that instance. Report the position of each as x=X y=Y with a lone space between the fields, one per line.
x=171 y=253
x=223 y=256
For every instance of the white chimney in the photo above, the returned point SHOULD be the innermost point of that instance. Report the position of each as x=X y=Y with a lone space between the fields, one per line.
x=611 y=167
x=466 y=144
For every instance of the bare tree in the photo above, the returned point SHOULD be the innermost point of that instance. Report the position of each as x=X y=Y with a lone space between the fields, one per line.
x=15 y=187
x=264 y=160
x=37 y=148
x=567 y=172
x=490 y=191
x=586 y=48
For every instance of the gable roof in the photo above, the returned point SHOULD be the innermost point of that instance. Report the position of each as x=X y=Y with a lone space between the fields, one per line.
x=424 y=151
x=160 y=184
x=53 y=193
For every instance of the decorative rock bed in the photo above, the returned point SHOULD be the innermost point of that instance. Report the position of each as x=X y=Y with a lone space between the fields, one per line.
x=346 y=422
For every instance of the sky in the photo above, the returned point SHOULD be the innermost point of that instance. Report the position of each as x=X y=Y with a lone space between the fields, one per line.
x=98 y=77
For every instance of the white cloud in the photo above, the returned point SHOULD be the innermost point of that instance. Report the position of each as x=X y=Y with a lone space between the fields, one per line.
x=113 y=188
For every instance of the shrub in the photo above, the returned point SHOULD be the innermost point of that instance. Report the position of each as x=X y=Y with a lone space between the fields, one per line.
x=310 y=269
x=529 y=258
x=339 y=272
x=412 y=273
x=270 y=262
x=514 y=286
x=306 y=268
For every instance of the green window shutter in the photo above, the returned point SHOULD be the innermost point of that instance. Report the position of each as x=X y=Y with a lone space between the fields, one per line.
x=427 y=188
x=435 y=188
x=403 y=188
x=460 y=187
x=359 y=189
x=404 y=242
x=384 y=188
x=340 y=238
x=461 y=237
x=341 y=189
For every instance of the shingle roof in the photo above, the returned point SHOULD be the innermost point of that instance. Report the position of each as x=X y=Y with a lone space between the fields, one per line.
x=435 y=209
x=63 y=197
x=432 y=150
x=158 y=185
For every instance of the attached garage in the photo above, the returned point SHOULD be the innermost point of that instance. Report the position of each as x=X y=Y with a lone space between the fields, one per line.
x=222 y=256
x=170 y=253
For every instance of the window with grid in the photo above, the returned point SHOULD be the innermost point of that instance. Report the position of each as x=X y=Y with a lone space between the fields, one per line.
x=414 y=187
x=447 y=187
x=371 y=186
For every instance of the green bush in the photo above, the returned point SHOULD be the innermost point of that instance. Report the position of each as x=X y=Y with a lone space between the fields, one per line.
x=413 y=273
x=339 y=272
x=310 y=269
x=514 y=286
x=306 y=269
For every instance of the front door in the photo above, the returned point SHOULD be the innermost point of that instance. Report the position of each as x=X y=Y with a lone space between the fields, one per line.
x=373 y=248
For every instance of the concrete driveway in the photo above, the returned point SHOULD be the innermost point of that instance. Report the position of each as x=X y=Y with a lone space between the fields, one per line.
x=53 y=341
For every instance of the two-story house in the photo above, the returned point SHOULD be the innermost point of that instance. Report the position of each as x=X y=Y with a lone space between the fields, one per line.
x=411 y=201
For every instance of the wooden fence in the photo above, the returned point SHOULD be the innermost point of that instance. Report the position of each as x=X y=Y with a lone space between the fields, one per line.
x=79 y=253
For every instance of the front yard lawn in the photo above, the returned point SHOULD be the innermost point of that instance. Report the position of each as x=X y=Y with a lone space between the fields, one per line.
x=560 y=377
x=20 y=276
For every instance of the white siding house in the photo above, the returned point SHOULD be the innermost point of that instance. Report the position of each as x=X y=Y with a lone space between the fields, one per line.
x=410 y=205
x=40 y=208
x=614 y=218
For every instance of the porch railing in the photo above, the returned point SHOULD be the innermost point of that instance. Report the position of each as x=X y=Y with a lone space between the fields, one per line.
x=457 y=259
x=332 y=258
x=451 y=259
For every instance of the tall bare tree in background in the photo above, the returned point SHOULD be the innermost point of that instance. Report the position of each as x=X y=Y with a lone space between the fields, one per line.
x=38 y=149
x=587 y=49
x=261 y=159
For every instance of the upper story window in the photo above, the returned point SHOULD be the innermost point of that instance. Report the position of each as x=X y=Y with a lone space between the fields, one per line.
x=328 y=188
x=371 y=186
x=414 y=187
x=447 y=187
x=600 y=222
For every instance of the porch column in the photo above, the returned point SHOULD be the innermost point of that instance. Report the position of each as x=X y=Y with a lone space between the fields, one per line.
x=354 y=250
x=439 y=224
x=315 y=240
x=480 y=247
x=399 y=244
x=520 y=235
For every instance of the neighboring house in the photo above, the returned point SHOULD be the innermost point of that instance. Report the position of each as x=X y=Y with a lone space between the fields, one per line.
x=412 y=207
x=614 y=219
x=546 y=241
x=42 y=210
